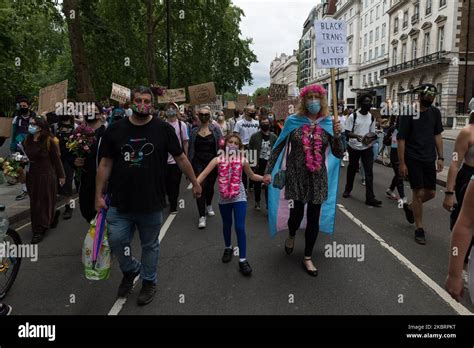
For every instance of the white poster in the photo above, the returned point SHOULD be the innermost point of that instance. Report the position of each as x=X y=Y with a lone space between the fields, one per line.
x=331 y=44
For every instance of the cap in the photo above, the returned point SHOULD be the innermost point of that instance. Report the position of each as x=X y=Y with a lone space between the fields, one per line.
x=426 y=89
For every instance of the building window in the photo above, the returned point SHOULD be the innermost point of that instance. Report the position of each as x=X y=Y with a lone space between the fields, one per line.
x=366 y=19
x=365 y=40
x=371 y=37
x=371 y=16
x=405 y=19
x=384 y=28
x=404 y=53
x=365 y=57
x=395 y=25
x=428 y=6
x=376 y=52
x=395 y=56
x=441 y=39
x=377 y=33
x=426 y=47
x=351 y=81
x=414 y=48
x=364 y=81
x=375 y=77
x=382 y=50
x=416 y=16
x=442 y=3
x=370 y=55
x=439 y=87
x=370 y=77
x=377 y=12
x=350 y=13
x=350 y=28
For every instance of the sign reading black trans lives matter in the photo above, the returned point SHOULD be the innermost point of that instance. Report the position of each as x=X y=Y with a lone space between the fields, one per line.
x=331 y=44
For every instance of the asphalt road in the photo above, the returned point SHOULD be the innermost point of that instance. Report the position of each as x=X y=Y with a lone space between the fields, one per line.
x=193 y=280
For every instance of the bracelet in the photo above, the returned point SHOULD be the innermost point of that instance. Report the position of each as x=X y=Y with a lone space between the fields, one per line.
x=450 y=193
x=440 y=159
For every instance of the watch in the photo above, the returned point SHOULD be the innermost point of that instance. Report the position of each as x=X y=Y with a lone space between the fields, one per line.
x=450 y=193
x=440 y=158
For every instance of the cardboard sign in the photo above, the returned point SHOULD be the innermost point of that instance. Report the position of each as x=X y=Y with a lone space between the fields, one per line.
x=331 y=44
x=278 y=92
x=261 y=100
x=202 y=94
x=231 y=105
x=229 y=113
x=49 y=96
x=215 y=106
x=120 y=93
x=173 y=96
x=242 y=101
x=283 y=108
x=6 y=127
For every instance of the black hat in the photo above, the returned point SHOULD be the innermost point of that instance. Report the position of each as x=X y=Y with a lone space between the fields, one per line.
x=426 y=88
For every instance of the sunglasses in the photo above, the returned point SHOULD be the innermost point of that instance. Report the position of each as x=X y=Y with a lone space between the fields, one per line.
x=204 y=115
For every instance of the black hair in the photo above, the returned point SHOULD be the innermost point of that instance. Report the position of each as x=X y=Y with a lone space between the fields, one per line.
x=23 y=100
x=360 y=99
x=142 y=90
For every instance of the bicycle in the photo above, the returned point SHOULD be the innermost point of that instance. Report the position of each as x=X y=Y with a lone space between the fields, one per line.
x=9 y=266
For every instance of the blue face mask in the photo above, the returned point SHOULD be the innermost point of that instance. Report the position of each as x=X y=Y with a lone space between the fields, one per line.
x=314 y=106
x=32 y=129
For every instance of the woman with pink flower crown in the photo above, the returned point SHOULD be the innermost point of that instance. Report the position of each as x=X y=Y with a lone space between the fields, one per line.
x=230 y=164
x=310 y=143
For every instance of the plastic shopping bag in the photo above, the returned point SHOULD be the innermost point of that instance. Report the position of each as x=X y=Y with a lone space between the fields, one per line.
x=100 y=268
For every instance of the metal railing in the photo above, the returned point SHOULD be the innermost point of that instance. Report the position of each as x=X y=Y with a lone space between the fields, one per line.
x=431 y=58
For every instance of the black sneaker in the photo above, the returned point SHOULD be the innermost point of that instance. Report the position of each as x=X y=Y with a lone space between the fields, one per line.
x=126 y=285
x=420 y=236
x=67 y=212
x=245 y=268
x=38 y=236
x=408 y=213
x=5 y=309
x=227 y=257
x=55 y=222
x=21 y=196
x=147 y=293
x=374 y=202
x=346 y=194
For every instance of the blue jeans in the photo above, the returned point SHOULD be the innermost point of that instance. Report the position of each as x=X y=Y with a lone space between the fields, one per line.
x=240 y=211
x=121 y=228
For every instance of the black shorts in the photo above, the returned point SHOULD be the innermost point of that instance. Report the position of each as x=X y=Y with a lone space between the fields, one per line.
x=422 y=175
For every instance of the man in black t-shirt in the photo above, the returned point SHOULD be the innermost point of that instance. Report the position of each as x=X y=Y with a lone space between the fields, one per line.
x=419 y=143
x=135 y=154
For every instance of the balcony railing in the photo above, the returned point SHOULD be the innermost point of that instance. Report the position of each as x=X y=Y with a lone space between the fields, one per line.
x=415 y=19
x=429 y=59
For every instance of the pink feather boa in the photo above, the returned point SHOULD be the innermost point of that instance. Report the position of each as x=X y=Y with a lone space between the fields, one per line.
x=229 y=177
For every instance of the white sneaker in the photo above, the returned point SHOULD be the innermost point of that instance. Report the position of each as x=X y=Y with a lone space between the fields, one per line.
x=342 y=164
x=202 y=222
x=391 y=195
x=210 y=212
x=404 y=200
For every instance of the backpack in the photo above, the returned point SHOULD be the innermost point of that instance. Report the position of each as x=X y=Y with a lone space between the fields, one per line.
x=354 y=115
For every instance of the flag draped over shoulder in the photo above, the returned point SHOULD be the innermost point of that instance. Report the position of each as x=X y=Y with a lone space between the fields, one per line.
x=278 y=206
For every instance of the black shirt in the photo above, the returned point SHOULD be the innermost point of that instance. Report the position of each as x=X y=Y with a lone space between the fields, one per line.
x=140 y=154
x=205 y=148
x=62 y=132
x=419 y=134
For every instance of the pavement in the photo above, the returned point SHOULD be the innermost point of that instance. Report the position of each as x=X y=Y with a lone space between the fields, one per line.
x=393 y=275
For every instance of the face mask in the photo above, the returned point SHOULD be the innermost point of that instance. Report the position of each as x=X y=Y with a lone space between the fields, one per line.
x=426 y=103
x=24 y=110
x=232 y=149
x=366 y=107
x=171 y=113
x=221 y=118
x=128 y=112
x=204 y=118
x=32 y=129
x=265 y=127
x=313 y=106
x=142 y=110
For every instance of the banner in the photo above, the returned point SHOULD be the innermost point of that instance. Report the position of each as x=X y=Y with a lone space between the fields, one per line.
x=278 y=92
x=120 y=93
x=283 y=108
x=331 y=44
x=49 y=96
x=202 y=94
x=172 y=96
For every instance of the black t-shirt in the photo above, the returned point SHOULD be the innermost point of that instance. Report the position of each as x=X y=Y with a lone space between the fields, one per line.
x=62 y=132
x=205 y=148
x=140 y=154
x=419 y=134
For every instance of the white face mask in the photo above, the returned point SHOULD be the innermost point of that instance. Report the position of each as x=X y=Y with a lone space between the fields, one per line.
x=128 y=112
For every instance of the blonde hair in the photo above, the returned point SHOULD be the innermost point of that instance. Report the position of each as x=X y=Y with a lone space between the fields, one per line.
x=303 y=111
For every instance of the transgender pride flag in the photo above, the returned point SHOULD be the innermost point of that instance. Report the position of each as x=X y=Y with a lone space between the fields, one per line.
x=278 y=206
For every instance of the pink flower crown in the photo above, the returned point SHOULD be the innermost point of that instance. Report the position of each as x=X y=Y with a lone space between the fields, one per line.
x=313 y=88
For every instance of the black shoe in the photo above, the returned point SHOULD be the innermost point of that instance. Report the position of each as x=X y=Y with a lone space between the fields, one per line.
x=374 y=202
x=310 y=272
x=38 y=236
x=5 y=309
x=147 y=293
x=67 y=212
x=227 y=255
x=21 y=196
x=289 y=245
x=346 y=194
x=126 y=285
x=245 y=268
x=420 y=236
x=55 y=222
x=408 y=213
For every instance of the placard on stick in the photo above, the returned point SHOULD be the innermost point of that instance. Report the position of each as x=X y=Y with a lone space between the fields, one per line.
x=278 y=92
x=49 y=96
x=284 y=108
x=120 y=93
x=172 y=96
x=202 y=94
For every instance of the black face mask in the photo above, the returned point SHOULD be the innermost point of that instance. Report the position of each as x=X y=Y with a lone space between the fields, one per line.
x=426 y=103
x=24 y=111
x=204 y=118
x=365 y=107
x=265 y=127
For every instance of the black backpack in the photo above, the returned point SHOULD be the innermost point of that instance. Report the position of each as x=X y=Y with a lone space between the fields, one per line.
x=354 y=115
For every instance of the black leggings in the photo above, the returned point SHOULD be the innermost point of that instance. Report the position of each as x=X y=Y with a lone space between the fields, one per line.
x=397 y=180
x=207 y=187
x=173 y=181
x=312 y=227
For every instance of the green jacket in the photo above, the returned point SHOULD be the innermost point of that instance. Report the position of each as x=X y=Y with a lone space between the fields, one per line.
x=255 y=142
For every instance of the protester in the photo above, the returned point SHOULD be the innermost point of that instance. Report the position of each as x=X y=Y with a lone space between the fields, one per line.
x=45 y=170
x=21 y=121
x=223 y=124
x=359 y=126
x=173 y=173
x=260 y=147
x=309 y=133
x=62 y=131
x=462 y=235
x=459 y=174
x=135 y=153
x=419 y=141
x=203 y=147
x=86 y=168
x=233 y=121
x=245 y=128
x=230 y=164
x=397 y=181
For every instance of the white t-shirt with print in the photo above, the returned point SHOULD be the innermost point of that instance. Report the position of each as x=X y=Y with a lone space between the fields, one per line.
x=184 y=136
x=246 y=129
x=363 y=126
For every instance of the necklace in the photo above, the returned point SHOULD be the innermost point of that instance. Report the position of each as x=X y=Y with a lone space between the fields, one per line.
x=312 y=145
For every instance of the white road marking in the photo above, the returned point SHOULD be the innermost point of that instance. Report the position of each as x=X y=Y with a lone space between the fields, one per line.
x=120 y=302
x=190 y=186
x=459 y=308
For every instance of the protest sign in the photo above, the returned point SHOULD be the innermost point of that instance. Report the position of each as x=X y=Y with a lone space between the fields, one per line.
x=278 y=92
x=331 y=44
x=215 y=106
x=120 y=93
x=242 y=101
x=49 y=96
x=229 y=113
x=261 y=100
x=201 y=94
x=172 y=96
x=5 y=127
x=283 y=108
